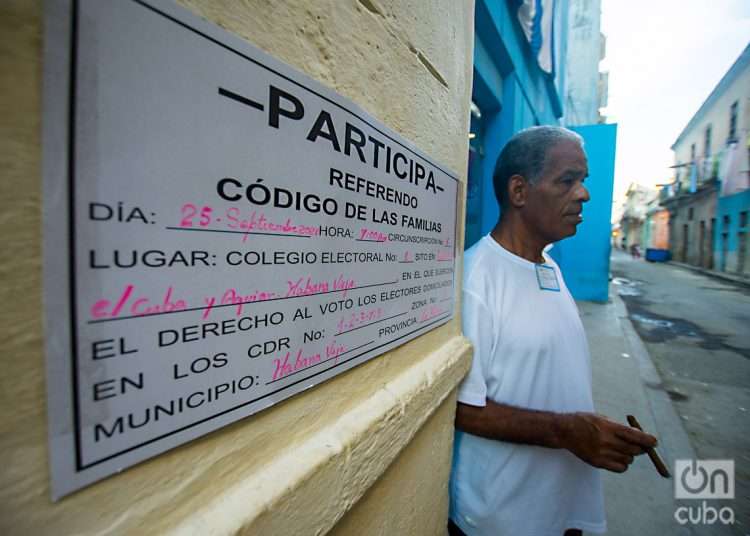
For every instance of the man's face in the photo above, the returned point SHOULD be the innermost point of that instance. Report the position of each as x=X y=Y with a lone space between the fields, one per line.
x=554 y=204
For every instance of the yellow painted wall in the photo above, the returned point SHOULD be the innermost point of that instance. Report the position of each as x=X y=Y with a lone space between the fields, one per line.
x=370 y=449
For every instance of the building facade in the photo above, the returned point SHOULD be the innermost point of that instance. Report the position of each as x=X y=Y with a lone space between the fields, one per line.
x=510 y=92
x=733 y=233
x=708 y=200
x=586 y=87
x=655 y=229
x=692 y=224
x=634 y=220
x=366 y=452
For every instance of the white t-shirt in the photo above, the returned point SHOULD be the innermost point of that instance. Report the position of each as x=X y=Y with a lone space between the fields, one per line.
x=530 y=351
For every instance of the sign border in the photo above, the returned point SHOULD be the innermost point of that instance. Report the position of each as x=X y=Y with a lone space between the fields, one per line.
x=60 y=164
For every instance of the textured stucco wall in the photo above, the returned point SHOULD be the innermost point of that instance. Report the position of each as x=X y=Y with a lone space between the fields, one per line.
x=401 y=501
x=582 y=63
x=356 y=447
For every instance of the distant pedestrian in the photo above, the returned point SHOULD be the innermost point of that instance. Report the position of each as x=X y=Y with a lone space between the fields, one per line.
x=635 y=251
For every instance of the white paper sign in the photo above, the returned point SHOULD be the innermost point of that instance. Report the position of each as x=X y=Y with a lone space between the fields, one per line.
x=221 y=233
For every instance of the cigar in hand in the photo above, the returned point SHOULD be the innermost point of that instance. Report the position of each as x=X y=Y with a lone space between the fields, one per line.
x=652 y=454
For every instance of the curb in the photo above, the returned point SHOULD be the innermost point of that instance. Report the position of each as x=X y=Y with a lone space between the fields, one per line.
x=674 y=442
x=732 y=278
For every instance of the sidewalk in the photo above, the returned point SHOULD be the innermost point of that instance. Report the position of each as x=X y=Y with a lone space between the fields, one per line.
x=626 y=382
x=734 y=278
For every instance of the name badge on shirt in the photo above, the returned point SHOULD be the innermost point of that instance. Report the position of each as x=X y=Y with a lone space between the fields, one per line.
x=547 y=278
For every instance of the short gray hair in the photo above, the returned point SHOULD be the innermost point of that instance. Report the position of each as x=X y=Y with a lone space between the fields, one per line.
x=525 y=155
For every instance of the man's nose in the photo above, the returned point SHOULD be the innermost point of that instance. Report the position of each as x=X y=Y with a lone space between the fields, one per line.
x=583 y=194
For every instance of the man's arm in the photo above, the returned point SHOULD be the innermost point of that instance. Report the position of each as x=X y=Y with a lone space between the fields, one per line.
x=592 y=438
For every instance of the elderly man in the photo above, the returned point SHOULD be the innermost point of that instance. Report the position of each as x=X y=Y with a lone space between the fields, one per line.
x=527 y=443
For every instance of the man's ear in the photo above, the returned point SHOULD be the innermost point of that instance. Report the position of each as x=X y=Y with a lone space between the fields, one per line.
x=517 y=191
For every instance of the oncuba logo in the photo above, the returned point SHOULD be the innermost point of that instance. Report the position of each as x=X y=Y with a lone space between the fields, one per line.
x=704 y=479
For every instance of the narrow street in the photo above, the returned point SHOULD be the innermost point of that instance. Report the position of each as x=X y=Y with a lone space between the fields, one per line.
x=697 y=331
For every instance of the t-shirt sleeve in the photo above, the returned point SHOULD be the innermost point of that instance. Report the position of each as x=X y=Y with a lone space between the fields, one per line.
x=477 y=326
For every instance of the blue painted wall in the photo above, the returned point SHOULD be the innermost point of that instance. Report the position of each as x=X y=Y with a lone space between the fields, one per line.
x=731 y=206
x=584 y=257
x=513 y=93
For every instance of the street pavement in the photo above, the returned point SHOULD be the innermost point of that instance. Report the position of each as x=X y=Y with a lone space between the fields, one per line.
x=671 y=347
x=697 y=330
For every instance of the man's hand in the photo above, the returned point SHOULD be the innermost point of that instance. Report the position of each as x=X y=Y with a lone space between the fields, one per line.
x=594 y=439
x=602 y=443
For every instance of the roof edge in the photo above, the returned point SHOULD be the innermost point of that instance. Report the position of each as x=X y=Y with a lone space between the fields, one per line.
x=734 y=71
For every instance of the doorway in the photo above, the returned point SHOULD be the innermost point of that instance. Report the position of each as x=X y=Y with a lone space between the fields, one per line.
x=685 y=242
x=711 y=232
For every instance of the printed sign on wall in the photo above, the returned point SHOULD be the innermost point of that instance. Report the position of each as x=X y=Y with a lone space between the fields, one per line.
x=221 y=233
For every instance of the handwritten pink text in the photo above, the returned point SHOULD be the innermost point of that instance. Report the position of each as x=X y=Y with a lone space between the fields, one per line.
x=289 y=365
x=372 y=235
x=132 y=303
x=358 y=319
